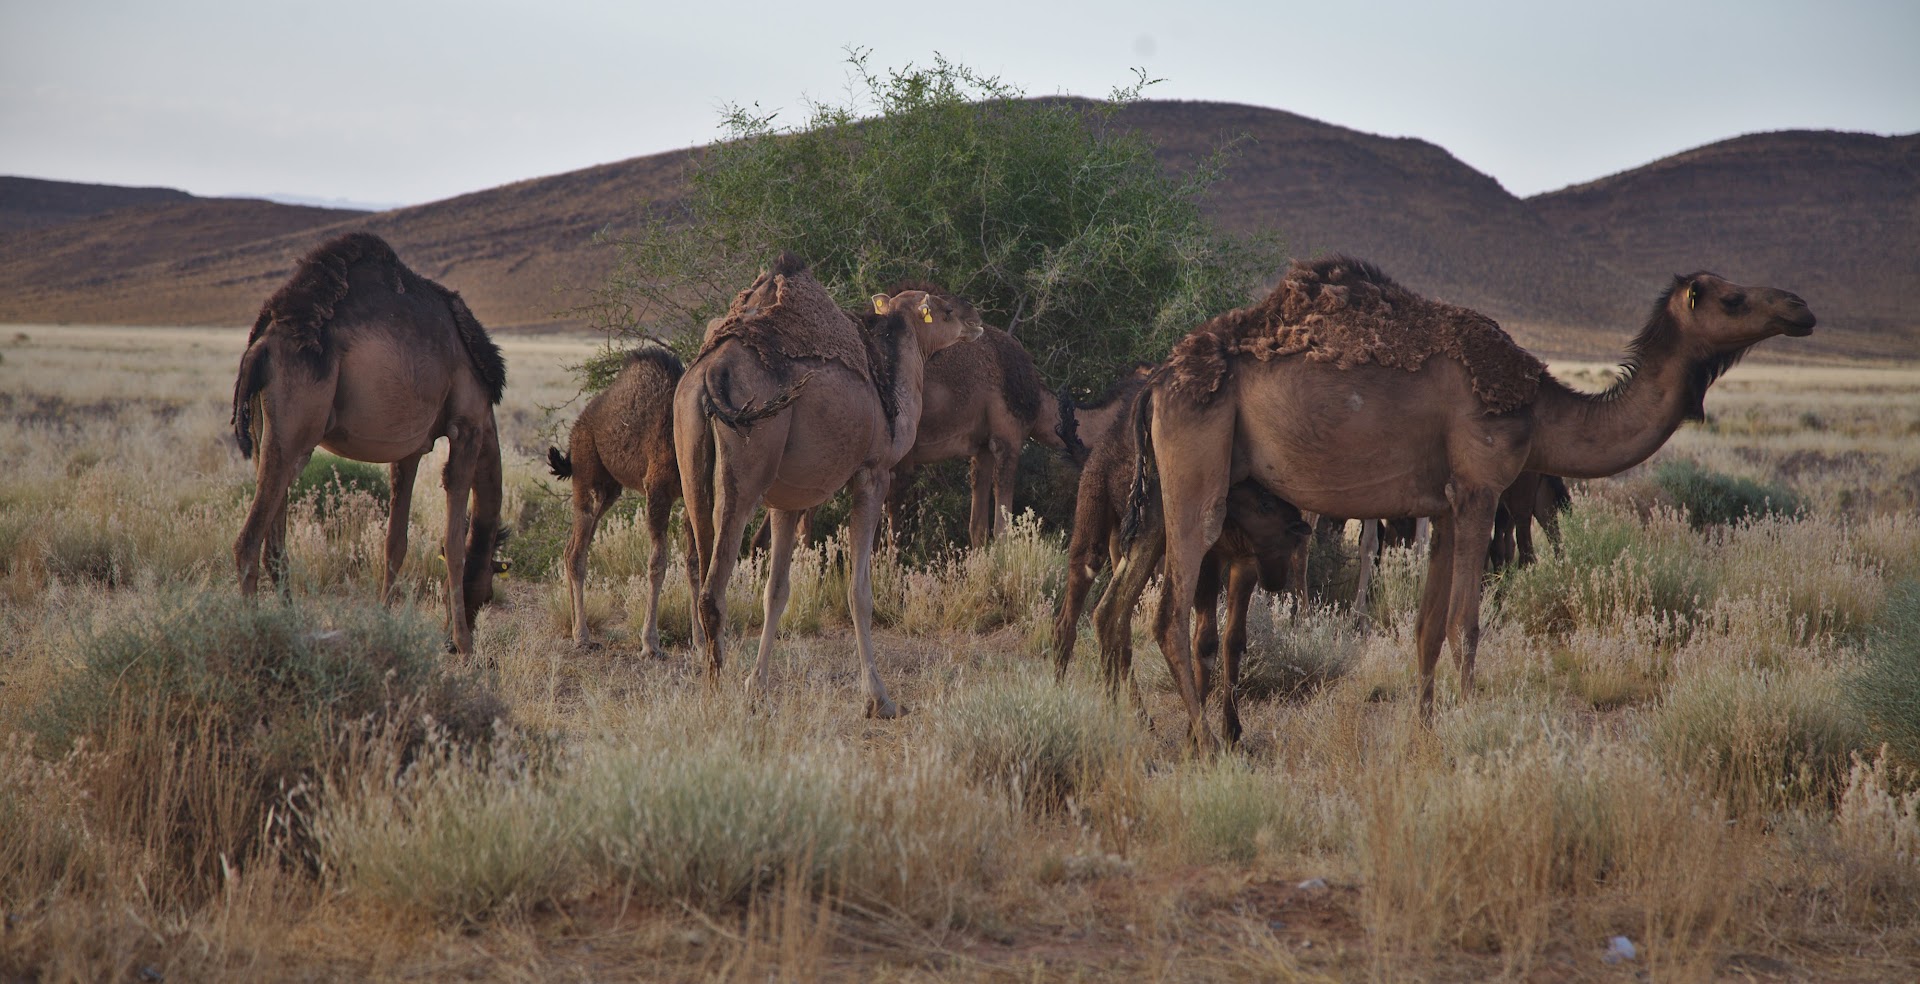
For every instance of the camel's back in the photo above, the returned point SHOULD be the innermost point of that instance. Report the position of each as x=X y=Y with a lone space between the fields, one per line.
x=630 y=424
x=352 y=292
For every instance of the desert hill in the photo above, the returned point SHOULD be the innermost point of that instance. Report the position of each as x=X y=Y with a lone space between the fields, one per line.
x=29 y=203
x=1831 y=215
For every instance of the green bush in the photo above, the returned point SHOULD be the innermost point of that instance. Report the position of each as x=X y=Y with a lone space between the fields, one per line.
x=1713 y=499
x=216 y=716
x=328 y=478
x=1610 y=565
x=1886 y=691
x=1045 y=211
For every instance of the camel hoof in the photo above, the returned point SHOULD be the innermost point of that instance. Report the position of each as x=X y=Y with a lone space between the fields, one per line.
x=885 y=710
x=588 y=645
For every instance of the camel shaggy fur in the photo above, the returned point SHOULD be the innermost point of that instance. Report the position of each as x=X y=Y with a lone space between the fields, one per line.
x=1315 y=394
x=360 y=355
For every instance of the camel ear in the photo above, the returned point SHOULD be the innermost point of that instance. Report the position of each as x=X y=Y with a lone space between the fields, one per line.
x=926 y=310
x=880 y=304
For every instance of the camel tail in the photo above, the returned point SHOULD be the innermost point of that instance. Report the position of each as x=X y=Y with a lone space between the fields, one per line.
x=1143 y=467
x=247 y=387
x=559 y=464
x=1069 y=429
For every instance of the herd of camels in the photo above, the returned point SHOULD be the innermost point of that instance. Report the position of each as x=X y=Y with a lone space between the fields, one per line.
x=1340 y=394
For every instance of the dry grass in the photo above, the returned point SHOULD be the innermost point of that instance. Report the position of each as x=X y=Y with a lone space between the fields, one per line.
x=1664 y=744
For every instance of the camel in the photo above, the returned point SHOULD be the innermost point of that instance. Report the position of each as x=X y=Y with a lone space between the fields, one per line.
x=624 y=439
x=1263 y=538
x=358 y=354
x=1343 y=392
x=788 y=402
x=980 y=401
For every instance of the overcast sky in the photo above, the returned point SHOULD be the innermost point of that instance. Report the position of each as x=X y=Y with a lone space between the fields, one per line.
x=407 y=101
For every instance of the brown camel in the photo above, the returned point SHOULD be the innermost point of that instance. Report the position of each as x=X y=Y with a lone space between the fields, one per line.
x=1329 y=394
x=982 y=402
x=624 y=439
x=1262 y=536
x=362 y=356
x=788 y=404
x=1106 y=478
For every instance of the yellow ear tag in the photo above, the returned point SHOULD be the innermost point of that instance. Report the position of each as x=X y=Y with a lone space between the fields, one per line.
x=879 y=304
x=926 y=312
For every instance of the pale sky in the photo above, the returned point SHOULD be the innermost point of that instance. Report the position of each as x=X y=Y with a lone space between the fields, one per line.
x=407 y=101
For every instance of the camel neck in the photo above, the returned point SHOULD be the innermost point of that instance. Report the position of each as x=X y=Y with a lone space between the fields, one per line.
x=909 y=375
x=1589 y=435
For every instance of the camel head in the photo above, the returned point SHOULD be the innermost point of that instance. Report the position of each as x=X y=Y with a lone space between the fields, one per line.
x=1726 y=317
x=938 y=320
x=1274 y=531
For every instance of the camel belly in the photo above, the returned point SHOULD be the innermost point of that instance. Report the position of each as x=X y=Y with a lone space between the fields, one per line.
x=1362 y=442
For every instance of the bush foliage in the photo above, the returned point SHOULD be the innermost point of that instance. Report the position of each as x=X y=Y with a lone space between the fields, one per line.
x=1714 y=499
x=1886 y=690
x=1055 y=221
x=214 y=715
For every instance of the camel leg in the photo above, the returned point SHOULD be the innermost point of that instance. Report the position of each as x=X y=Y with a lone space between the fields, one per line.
x=1206 y=624
x=693 y=588
x=278 y=458
x=594 y=492
x=276 y=545
x=1091 y=534
x=400 y=476
x=659 y=511
x=483 y=526
x=1241 y=576
x=784 y=523
x=1006 y=472
x=980 y=477
x=1431 y=623
x=1113 y=615
x=732 y=508
x=869 y=488
x=1369 y=545
x=1195 y=458
x=1472 y=525
x=463 y=453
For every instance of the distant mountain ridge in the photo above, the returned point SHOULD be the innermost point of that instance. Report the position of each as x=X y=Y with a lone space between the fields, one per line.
x=1833 y=216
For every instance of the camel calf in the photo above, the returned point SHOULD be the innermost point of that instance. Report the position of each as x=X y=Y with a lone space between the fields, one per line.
x=362 y=356
x=624 y=439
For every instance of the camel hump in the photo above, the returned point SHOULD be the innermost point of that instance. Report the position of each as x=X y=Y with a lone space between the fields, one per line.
x=1347 y=312
x=302 y=306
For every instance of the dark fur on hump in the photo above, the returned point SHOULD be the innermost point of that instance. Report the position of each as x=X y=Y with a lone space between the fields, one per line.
x=303 y=307
x=658 y=354
x=1347 y=312
x=1661 y=338
x=1021 y=387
